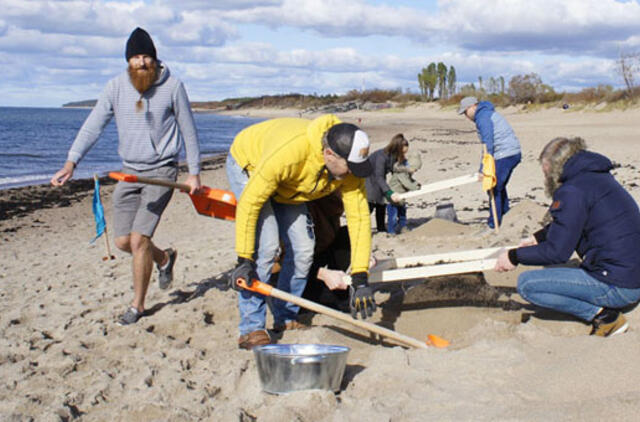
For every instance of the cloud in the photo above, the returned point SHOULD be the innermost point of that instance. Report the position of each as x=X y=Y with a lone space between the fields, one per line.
x=220 y=4
x=33 y=42
x=336 y=18
x=574 y=27
x=198 y=28
x=71 y=17
x=167 y=24
x=61 y=49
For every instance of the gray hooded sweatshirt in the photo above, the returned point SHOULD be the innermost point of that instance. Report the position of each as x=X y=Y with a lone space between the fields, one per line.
x=149 y=138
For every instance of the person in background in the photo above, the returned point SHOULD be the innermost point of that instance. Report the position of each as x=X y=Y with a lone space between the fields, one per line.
x=402 y=181
x=593 y=215
x=275 y=167
x=501 y=143
x=378 y=190
x=154 y=120
x=331 y=256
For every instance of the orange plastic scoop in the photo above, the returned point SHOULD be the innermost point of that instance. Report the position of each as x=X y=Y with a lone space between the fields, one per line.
x=211 y=202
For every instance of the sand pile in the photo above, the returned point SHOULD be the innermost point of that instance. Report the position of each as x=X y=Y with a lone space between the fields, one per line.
x=62 y=357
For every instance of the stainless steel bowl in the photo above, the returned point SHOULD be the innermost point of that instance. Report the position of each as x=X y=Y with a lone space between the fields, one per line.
x=284 y=368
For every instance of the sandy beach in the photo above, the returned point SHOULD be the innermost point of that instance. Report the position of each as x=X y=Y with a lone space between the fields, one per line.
x=62 y=356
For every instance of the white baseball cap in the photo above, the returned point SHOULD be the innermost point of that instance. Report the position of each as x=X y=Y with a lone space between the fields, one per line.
x=352 y=143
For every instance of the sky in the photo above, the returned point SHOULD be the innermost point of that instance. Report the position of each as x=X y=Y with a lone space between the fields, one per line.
x=57 y=51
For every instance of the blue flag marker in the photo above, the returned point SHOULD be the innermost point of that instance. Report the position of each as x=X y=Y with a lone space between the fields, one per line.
x=98 y=211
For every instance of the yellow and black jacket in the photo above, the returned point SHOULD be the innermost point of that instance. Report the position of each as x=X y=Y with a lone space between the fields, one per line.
x=284 y=160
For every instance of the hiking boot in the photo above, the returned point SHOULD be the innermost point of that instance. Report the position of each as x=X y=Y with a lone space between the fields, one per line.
x=254 y=338
x=290 y=325
x=608 y=323
x=131 y=316
x=165 y=274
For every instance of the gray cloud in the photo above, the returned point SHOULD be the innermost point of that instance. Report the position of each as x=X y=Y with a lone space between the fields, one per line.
x=67 y=50
x=220 y=4
x=336 y=18
x=572 y=27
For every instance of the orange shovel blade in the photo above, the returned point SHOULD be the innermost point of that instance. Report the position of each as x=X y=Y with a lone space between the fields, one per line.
x=211 y=202
x=123 y=177
x=216 y=203
x=435 y=341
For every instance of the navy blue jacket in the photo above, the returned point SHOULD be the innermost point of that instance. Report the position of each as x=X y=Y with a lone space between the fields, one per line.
x=595 y=216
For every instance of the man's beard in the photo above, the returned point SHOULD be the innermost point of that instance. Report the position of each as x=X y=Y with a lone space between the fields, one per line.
x=143 y=79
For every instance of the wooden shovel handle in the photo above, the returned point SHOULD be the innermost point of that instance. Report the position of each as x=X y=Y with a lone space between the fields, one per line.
x=267 y=290
x=131 y=178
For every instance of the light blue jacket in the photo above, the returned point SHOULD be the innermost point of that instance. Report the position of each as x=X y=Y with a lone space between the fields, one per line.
x=495 y=132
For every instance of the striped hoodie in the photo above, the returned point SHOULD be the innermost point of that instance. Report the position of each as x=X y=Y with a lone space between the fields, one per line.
x=149 y=138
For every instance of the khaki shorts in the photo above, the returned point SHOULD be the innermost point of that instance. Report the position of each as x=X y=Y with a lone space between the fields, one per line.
x=137 y=207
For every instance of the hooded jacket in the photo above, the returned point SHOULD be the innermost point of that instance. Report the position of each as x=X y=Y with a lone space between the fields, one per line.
x=284 y=160
x=401 y=179
x=149 y=138
x=376 y=183
x=595 y=216
x=495 y=132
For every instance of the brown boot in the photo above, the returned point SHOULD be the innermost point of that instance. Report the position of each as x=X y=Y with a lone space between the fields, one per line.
x=254 y=338
x=290 y=325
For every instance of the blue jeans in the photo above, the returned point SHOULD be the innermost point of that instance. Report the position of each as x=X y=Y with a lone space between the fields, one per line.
x=504 y=168
x=292 y=224
x=573 y=291
x=397 y=215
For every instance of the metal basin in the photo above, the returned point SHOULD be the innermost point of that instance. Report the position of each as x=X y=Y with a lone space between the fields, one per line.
x=284 y=368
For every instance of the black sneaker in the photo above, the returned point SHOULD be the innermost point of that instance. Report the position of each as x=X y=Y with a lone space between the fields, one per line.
x=131 y=316
x=165 y=275
x=608 y=323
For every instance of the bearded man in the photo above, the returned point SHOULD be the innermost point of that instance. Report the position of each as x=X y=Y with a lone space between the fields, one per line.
x=154 y=120
x=593 y=215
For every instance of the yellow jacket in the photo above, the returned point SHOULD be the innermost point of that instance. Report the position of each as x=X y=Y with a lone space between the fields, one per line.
x=285 y=162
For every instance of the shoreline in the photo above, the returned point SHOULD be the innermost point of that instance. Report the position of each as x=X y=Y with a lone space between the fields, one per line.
x=16 y=202
x=28 y=198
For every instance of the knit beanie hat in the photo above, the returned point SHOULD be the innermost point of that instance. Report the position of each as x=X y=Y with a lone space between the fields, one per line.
x=140 y=42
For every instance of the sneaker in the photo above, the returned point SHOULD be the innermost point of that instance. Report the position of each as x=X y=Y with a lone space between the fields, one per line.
x=131 y=316
x=254 y=338
x=290 y=325
x=609 y=323
x=165 y=274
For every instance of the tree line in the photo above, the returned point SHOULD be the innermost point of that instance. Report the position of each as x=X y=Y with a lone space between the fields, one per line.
x=437 y=76
x=437 y=81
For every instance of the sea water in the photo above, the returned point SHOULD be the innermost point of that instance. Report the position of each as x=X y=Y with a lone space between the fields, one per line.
x=34 y=142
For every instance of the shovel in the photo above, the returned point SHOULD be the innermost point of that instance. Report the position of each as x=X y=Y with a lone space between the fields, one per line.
x=211 y=202
x=442 y=184
x=268 y=290
x=461 y=262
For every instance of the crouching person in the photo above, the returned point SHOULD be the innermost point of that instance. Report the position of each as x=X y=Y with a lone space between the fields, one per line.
x=595 y=216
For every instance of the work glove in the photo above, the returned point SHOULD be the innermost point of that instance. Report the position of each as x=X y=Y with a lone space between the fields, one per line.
x=246 y=270
x=392 y=197
x=361 y=296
